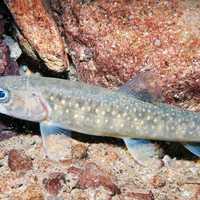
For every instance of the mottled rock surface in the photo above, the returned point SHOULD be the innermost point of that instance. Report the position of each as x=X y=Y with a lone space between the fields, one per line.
x=7 y=66
x=39 y=30
x=19 y=161
x=110 y=41
x=95 y=177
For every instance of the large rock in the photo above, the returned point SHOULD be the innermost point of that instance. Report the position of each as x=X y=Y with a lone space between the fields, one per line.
x=110 y=41
x=39 y=32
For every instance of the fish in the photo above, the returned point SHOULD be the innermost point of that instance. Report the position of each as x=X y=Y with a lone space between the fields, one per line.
x=61 y=106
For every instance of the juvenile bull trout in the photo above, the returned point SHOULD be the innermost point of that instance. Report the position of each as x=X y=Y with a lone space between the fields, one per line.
x=60 y=105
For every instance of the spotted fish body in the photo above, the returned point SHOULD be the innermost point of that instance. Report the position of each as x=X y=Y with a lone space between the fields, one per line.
x=98 y=111
x=60 y=105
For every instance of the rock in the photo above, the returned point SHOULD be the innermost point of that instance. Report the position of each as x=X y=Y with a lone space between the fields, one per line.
x=38 y=27
x=33 y=192
x=74 y=170
x=111 y=42
x=54 y=183
x=4 y=56
x=19 y=161
x=93 y=176
x=14 y=48
x=79 y=151
x=7 y=66
x=140 y=196
x=157 y=181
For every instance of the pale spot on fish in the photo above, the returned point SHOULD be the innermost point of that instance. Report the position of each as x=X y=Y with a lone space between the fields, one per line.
x=51 y=98
x=67 y=111
x=148 y=117
x=76 y=105
x=55 y=107
x=155 y=120
x=75 y=116
x=118 y=116
x=97 y=110
x=114 y=113
x=106 y=120
x=70 y=103
x=63 y=102
x=124 y=114
x=103 y=112
x=121 y=125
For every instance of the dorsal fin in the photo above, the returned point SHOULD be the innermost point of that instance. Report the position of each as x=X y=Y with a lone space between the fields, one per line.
x=144 y=86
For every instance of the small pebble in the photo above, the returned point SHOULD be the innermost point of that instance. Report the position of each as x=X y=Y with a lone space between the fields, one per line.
x=19 y=161
x=157 y=181
x=54 y=183
x=79 y=151
x=93 y=176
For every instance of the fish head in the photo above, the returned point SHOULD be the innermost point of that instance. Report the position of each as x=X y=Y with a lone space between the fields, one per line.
x=20 y=100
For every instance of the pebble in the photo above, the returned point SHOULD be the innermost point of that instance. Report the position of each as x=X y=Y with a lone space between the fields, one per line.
x=33 y=192
x=79 y=151
x=15 y=51
x=54 y=183
x=157 y=181
x=19 y=161
x=93 y=176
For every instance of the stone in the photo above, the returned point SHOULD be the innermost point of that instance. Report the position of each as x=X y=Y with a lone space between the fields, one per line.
x=40 y=30
x=79 y=151
x=93 y=176
x=111 y=43
x=15 y=51
x=19 y=161
x=33 y=192
x=157 y=181
x=54 y=183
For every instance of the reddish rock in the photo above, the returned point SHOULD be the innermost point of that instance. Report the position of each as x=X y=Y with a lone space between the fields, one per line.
x=19 y=161
x=93 y=176
x=110 y=41
x=54 y=183
x=38 y=27
x=74 y=170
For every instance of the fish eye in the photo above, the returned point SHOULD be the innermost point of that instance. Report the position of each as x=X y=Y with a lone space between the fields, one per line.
x=4 y=95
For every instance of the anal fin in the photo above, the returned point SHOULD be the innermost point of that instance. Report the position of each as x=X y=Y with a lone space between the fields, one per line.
x=143 y=151
x=56 y=141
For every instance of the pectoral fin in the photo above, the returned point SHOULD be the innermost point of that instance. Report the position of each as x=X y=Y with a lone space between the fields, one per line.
x=55 y=140
x=143 y=151
x=194 y=148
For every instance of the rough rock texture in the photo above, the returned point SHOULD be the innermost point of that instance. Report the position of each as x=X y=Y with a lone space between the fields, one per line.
x=93 y=176
x=107 y=170
x=40 y=31
x=19 y=161
x=110 y=41
x=7 y=66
